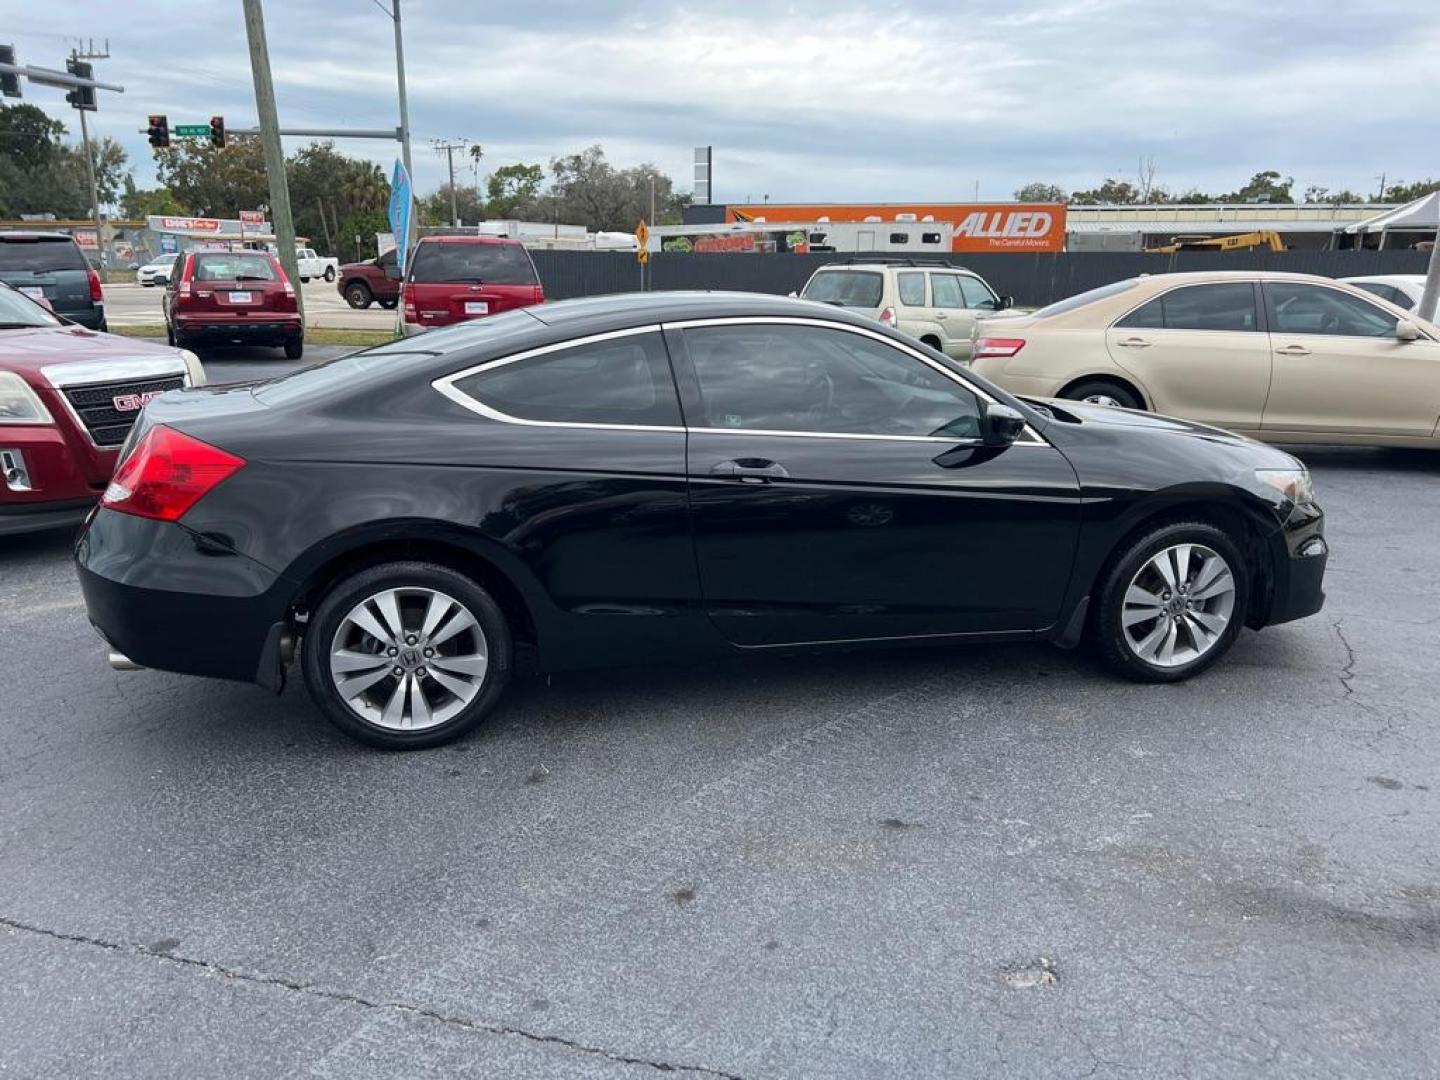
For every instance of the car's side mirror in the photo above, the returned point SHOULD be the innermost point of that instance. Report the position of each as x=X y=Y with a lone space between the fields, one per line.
x=1001 y=425
x=1405 y=330
x=793 y=295
x=1005 y=302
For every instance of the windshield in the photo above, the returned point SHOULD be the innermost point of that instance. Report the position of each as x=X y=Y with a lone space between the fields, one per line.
x=497 y=264
x=1081 y=299
x=163 y=260
x=848 y=288
x=40 y=256
x=18 y=311
x=234 y=266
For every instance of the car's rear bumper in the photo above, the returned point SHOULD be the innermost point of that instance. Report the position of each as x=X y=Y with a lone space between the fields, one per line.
x=269 y=327
x=168 y=598
x=92 y=318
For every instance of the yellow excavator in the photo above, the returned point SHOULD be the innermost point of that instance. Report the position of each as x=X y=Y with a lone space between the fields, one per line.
x=1265 y=238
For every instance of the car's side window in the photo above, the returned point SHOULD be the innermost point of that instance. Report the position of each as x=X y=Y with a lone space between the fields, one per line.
x=945 y=291
x=912 y=289
x=976 y=294
x=1226 y=306
x=624 y=380
x=1301 y=308
x=819 y=380
x=1386 y=292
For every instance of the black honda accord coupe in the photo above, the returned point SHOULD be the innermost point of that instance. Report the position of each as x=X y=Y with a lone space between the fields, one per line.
x=668 y=475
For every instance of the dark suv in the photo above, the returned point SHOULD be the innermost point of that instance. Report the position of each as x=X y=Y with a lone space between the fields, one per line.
x=50 y=266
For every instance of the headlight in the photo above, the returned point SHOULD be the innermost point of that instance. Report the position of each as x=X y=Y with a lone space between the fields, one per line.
x=193 y=367
x=1294 y=484
x=19 y=404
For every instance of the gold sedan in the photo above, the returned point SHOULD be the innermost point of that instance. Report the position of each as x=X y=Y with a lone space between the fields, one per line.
x=1283 y=357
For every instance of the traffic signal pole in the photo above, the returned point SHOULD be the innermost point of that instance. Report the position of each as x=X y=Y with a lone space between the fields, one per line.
x=94 y=198
x=274 y=152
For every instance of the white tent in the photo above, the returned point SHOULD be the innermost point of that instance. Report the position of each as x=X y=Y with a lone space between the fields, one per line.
x=1421 y=216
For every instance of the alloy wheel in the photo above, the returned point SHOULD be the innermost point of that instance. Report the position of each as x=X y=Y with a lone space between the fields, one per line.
x=1103 y=399
x=409 y=659
x=1178 y=605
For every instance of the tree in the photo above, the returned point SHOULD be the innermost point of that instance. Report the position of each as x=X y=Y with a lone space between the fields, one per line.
x=28 y=137
x=1317 y=193
x=41 y=173
x=512 y=190
x=211 y=182
x=1111 y=193
x=1037 y=192
x=587 y=190
x=1267 y=186
x=136 y=203
x=1403 y=193
x=327 y=188
x=469 y=205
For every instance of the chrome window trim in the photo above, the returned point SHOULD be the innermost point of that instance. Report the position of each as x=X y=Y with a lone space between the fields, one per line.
x=445 y=384
x=1352 y=293
x=1030 y=437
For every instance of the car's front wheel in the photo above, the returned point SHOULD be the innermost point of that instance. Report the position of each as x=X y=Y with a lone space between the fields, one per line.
x=358 y=295
x=407 y=655
x=1172 y=602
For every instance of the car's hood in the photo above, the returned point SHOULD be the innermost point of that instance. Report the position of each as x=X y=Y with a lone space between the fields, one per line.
x=1110 y=416
x=45 y=348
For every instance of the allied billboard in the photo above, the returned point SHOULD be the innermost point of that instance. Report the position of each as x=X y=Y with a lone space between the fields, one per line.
x=977 y=226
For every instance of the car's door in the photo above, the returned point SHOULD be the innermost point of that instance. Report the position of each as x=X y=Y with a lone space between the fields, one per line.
x=833 y=498
x=1200 y=351
x=1339 y=367
x=948 y=309
x=913 y=313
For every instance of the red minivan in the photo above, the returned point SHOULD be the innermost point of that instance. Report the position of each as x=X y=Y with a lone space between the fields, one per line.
x=233 y=297
x=450 y=279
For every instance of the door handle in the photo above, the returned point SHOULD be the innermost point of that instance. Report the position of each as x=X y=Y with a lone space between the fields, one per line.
x=1293 y=350
x=1134 y=343
x=750 y=470
x=941 y=315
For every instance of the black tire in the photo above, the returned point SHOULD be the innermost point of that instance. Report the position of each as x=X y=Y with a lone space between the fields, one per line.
x=390 y=305
x=330 y=273
x=932 y=341
x=1121 y=395
x=1107 y=630
x=294 y=348
x=358 y=295
x=342 y=597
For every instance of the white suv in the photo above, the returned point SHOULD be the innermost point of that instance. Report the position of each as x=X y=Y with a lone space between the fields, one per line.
x=933 y=301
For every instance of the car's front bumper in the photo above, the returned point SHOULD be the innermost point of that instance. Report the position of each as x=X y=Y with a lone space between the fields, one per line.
x=171 y=599
x=1300 y=553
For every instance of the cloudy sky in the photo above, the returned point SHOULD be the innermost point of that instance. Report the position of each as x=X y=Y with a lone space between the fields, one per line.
x=808 y=100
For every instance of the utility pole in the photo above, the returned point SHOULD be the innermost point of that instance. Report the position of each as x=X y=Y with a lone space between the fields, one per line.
x=448 y=149
x=274 y=152
x=400 y=78
x=77 y=56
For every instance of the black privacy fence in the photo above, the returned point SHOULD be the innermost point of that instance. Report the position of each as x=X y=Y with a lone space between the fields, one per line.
x=1032 y=279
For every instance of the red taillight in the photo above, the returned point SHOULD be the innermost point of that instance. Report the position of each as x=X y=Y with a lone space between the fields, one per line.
x=96 y=293
x=166 y=474
x=997 y=346
x=409 y=294
x=888 y=317
x=184 y=290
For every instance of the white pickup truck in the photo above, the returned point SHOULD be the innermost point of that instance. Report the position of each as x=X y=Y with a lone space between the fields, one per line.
x=313 y=265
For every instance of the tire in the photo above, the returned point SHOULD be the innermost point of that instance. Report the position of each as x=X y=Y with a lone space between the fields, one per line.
x=304 y=281
x=932 y=341
x=454 y=698
x=1196 y=624
x=1104 y=392
x=389 y=305
x=294 y=348
x=358 y=295
x=170 y=336
x=330 y=273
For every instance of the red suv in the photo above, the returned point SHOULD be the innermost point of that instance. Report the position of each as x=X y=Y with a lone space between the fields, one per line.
x=450 y=279
x=233 y=297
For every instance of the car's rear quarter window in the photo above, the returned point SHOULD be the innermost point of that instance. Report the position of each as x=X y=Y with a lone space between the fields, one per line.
x=851 y=288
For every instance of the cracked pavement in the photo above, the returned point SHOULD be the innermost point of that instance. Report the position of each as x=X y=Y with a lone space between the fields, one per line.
x=985 y=861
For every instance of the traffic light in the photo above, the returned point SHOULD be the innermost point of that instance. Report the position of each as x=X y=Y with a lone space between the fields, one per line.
x=9 y=84
x=82 y=97
x=159 y=131
x=217 y=132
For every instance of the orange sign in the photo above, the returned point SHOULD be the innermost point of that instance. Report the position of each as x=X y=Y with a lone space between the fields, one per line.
x=978 y=226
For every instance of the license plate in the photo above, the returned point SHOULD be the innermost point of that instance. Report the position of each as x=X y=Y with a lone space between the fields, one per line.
x=477 y=307
x=33 y=292
x=240 y=298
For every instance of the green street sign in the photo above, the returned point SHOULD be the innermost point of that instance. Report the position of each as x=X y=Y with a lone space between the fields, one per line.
x=192 y=131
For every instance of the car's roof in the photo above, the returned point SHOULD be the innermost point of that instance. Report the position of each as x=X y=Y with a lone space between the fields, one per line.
x=639 y=308
x=468 y=240
x=1389 y=279
x=895 y=264
x=33 y=234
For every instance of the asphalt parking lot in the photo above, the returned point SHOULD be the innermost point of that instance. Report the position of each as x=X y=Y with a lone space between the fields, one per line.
x=993 y=861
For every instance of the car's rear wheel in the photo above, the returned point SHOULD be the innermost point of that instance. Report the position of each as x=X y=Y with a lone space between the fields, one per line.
x=1104 y=392
x=1172 y=603
x=358 y=295
x=389 y=305
x=407 y=655
x=294 y=348
x=329 y=273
